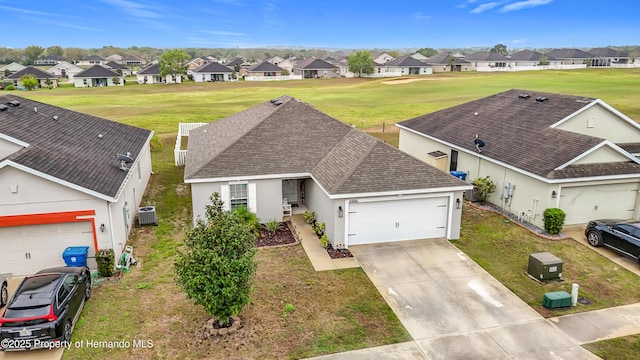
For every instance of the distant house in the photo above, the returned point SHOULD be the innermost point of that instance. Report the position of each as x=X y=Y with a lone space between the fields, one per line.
x=132 y=60
x=151 y=75
x=315 y=68
x=234 y=61
x=264 y=68
x=114 y=57
x=212 y=72
x=609 y=57
x=407 y=65
x=487 y=59
x=447 y=61
x=9 y=69
x=275 y=60
x=42 y=76
x=92 y=60
x=97 y=75
x=381 y=58
x=285 y=64
x=530 y=58
x=570 y=56
x=65 y=70
x=119 y=68
x=194 y=64
x=48 y=60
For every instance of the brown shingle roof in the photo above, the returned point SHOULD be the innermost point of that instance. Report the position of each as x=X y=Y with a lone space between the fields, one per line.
x=295 y=138
x=69 y=148
x=516 y=131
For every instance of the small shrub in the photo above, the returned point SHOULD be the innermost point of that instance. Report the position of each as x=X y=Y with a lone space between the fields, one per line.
x=324 y=241
x=318 y=228
x=288 y=309
x=483 y=188
x=553 y=220
x=10 y=87
x=106 y=261
x=273 y=226
x=309 y=217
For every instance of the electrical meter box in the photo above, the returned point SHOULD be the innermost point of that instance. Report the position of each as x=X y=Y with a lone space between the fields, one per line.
x=545 y=266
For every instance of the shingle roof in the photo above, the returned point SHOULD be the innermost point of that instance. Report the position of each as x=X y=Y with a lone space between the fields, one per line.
x=93 y=58
x=39 y=74
x=212 y=67
x=314 y=64
x=150 y=70
x=97 y=71
x=405 y=60
x=608 y=52
x=529 y=55
x=117 y=66
x=516 y=131
x=295 y=138
x=235 y=61
x=569 y=54
x=69 y=148
x=443 y=58
x=485 y=56
x=265 y=66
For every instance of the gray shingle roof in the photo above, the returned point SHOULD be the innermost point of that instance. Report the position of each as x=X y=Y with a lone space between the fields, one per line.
x=485 y=56
x=117 y=66
x=443 y=58
x=39 y=74
x=97 y=71
x=93 y=58
x=609 y=52
x=529 y=55
x=569 y=54
x=405 y=60
x=314 y=64
x=295 y=138
x=69 y=148
x=516 y=131
x=212 y=67
x=150 y=70
x=265 y=66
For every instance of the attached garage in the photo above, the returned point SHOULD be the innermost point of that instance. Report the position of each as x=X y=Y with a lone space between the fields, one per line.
x=395 y=220
x=585 y=203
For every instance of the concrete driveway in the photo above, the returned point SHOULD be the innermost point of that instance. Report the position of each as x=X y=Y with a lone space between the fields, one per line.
x=453 y=309
x=40 y=354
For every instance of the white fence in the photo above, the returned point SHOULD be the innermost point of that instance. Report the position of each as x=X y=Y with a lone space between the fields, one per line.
x=273 y=78
x=529 y=68
x=179 y=155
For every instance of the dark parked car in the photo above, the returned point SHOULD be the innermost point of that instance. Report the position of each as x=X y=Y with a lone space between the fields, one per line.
x=619 y=235
x=44 y=308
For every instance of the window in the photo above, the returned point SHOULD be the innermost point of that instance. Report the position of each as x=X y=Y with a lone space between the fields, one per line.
x=238 y=195
x=453 y=166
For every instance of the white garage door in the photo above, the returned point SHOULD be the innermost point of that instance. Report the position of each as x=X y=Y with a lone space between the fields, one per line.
x=408 y=219
x=585 y=203
x=27 y=249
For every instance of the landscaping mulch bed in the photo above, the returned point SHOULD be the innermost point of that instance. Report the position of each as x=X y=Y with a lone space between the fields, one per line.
x=283 y=236
x=338 y=253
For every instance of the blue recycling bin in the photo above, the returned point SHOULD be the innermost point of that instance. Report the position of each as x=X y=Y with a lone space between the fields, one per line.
x=459 y=174
x=75 y=255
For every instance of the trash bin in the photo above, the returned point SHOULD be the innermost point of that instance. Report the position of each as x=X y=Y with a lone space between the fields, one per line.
x=459 y=174
x=75 y=255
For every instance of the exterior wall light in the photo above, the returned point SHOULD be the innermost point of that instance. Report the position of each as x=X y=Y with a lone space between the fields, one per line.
x=554 y=194
x=458 y=203
x=340 y=212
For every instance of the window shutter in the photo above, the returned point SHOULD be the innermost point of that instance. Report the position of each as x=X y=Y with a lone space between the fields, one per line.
x=224 y=196
x=252 y=205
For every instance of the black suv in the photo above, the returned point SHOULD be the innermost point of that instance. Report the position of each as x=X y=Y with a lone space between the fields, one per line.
x=619 y=235
x=44 y=309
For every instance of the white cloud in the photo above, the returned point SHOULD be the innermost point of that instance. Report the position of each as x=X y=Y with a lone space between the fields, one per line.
x=485 y=7
x=524 y=4
x=136 y=9
x=421 y=16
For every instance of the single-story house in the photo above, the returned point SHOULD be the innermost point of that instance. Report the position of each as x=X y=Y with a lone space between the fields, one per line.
x=448 y=61
x=61 y=184
x=119 y=68
x=91 y=60
x=285 y=64
x=381 y=58
x=9 y=69
x=194 y=64
x=408 y=65
x=286 y=152
x=265 y=69
x=542 y=150
x=487 y=59
x=212 y=72
x=42 y=76
x=609 y=56
x=65 y=70
x=529 y=58
x=114 y=57
x=151 y=75
x=132 y=60
x=49 y=60
x=312 y=68
x=570 y=56
x=97 y=75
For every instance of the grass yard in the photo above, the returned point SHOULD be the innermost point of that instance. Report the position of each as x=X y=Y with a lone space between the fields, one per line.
x=338 y=310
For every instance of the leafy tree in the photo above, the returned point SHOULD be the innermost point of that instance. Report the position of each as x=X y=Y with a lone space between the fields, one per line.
x=544 y=60
x=500 y=49
x=217 y=264
x=74 y=54
x=55 y=50
x=360 y=62
x=174 y=62
x=483 y=188
x=428 y=52
x=31 y=53
x=29 y=81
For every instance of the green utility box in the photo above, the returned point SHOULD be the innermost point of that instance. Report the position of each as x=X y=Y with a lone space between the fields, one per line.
x=545 y=266
x=557 y=299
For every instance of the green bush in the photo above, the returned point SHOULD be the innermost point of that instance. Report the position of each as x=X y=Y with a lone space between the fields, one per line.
x=10 y=87
x=324 y=241
x=483 y=188
x=553 y=220
x=318 y=228
x=309 y=217
x=106 y=261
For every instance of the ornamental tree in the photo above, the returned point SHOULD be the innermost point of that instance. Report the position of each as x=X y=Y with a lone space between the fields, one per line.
x=174 y=63
x=216 y=265
x=29 y=81
x=360 y=62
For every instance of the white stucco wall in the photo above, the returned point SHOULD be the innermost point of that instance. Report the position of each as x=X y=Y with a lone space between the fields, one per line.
x=599 y=122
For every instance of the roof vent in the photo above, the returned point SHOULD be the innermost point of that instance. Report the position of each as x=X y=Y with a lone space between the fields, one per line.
x=524 y=96
x=3 y=107
x=55 y=117
x=541 y=98
x=479 y=144
x=278 y=102
x=14 y=103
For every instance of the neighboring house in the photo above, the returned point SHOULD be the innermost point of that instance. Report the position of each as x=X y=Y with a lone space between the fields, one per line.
x=382 y=58
x=97 y=75
x=312 y=68
x=531 y=58
x=408 y=65
x=61 y=184
x=447 y=61
x=119 y=68
x=212 y=72
x=487 y=60
x=194 y=64
x=235 y=63
x=212 y=58
x=609 y=57
x=9 y=69
x=570 y=56
x=114 y=57
x=49 y=60
x=264 y=69
x=132 y=60
x=92 y=60
x=542 y=150
x=65 y=70
x=151 y=75
x=275 y=60
x=286 y=64
x=419 y=56
x=364 y=190
x=42 y=76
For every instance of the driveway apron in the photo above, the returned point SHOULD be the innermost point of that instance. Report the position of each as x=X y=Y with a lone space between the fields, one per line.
x=453 y=309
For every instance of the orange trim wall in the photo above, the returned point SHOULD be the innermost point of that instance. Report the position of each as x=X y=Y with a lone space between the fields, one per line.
x=52 y=218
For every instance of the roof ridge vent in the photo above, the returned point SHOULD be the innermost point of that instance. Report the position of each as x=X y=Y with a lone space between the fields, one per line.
x=541 y=98
x=524 y=96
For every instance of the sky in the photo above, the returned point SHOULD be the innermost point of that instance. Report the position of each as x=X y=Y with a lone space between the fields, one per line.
x=331 y=24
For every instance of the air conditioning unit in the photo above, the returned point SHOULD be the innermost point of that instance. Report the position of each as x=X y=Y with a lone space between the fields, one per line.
x=147 y=216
